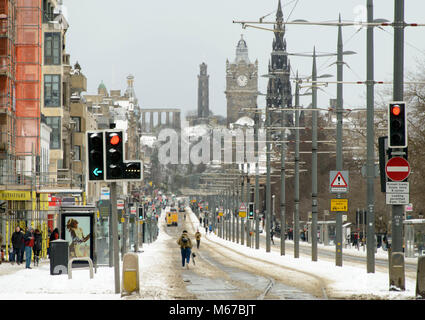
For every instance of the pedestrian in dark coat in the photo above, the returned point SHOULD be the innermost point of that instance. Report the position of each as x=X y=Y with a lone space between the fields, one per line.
x=198 y=238
x=54 y=235
x=37 y=246
x=17 y=244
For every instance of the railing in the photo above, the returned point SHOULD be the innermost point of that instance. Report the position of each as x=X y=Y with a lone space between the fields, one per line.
x=45 y=180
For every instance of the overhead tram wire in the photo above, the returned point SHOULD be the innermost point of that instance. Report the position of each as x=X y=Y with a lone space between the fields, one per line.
x=344 y=44
x=293 y=8
x=408 y=43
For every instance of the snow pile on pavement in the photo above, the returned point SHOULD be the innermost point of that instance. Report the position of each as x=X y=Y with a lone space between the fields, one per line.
x=37 y=283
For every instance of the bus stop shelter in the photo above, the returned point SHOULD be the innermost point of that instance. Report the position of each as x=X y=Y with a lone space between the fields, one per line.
x=414 y=232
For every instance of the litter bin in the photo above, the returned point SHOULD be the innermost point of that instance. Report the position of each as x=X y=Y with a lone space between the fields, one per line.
x=59 y=257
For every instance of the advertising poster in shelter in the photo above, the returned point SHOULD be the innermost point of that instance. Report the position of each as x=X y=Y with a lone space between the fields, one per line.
x=78 y=231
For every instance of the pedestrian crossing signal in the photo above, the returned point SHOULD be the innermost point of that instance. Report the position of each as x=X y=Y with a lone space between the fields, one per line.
x=95 y=150
x=251 y=211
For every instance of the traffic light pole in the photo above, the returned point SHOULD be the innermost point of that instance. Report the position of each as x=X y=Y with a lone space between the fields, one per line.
x=339 y=160
x=257 y=192
x=113 y=190
x=398 y=95
x=314 y=163
x=242 y=219
x=248 y=200
x=370 y=164
x=136 y=229
x=268 y=179
x=283 y=193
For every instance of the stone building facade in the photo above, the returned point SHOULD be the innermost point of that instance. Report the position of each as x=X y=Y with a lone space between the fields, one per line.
x=241 y=84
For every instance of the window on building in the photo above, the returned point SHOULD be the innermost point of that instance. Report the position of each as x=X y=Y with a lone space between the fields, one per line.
x=52 y=90
x=55 y=136
x=77 y=121
x=77 y=153
x=52 y=48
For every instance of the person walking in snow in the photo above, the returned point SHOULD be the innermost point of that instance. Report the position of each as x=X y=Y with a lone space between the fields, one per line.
x=198 y=238
x=53 y=236
x=29 y=244
x=37 y=246
x=185 y=248
x=17 y=240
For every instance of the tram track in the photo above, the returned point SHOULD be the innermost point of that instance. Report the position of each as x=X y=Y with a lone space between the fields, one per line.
x=247 y=264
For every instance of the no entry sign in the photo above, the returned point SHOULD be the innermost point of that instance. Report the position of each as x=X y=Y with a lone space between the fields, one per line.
x=397 y=169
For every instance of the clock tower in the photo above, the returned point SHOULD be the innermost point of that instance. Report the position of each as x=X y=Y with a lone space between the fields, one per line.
x=241 y=84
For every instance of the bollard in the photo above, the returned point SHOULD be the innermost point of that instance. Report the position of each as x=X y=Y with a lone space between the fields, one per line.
x=130 y=274
x=396 y=271
x=420 y=279
x=87 y=259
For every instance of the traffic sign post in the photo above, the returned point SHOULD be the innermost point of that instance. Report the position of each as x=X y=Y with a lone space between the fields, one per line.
x=397 y=169
x=339 y=205
x=338 y=181
x=242 y=210
x=105 y=193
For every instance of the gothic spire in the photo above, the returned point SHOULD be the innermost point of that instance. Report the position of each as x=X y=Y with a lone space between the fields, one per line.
x=279 y=14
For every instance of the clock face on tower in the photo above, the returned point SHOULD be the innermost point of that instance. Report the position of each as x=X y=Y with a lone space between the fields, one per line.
x=242 y=81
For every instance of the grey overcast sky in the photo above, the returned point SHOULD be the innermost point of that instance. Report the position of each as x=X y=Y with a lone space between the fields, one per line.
x=163 y=42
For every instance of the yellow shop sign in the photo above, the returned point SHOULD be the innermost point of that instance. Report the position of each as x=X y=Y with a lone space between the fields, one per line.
x=15 y=195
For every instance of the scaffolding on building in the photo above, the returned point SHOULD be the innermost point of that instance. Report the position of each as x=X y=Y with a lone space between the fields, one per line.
x=28 y=77
x=7 y=85
x=20 y=116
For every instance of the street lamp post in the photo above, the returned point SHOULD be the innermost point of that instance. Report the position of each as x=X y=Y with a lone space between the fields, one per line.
x=257 y=187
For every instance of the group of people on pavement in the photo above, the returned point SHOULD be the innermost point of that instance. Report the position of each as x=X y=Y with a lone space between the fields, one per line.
x=28 y=243
x=186 y=247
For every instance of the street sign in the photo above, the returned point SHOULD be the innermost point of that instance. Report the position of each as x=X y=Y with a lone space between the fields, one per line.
x=397 y=187
x=339 y=205
x=242 y=210
x=397 y=169
x=133 y=210
x=104 y=193
x=338 y=181
x=397 y=198
x=220 y=211
x=120 y=204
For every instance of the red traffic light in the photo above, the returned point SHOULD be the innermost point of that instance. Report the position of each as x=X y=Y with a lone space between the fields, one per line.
x=115 y=140
x=395 y=110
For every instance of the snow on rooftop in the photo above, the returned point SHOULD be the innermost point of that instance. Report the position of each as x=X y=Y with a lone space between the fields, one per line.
x=245 y=121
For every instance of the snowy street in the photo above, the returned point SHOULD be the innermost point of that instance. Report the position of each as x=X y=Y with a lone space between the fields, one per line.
x=222 y=270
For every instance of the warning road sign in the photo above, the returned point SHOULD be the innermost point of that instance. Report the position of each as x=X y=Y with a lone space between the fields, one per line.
x=242 y=210
x=338 y=181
